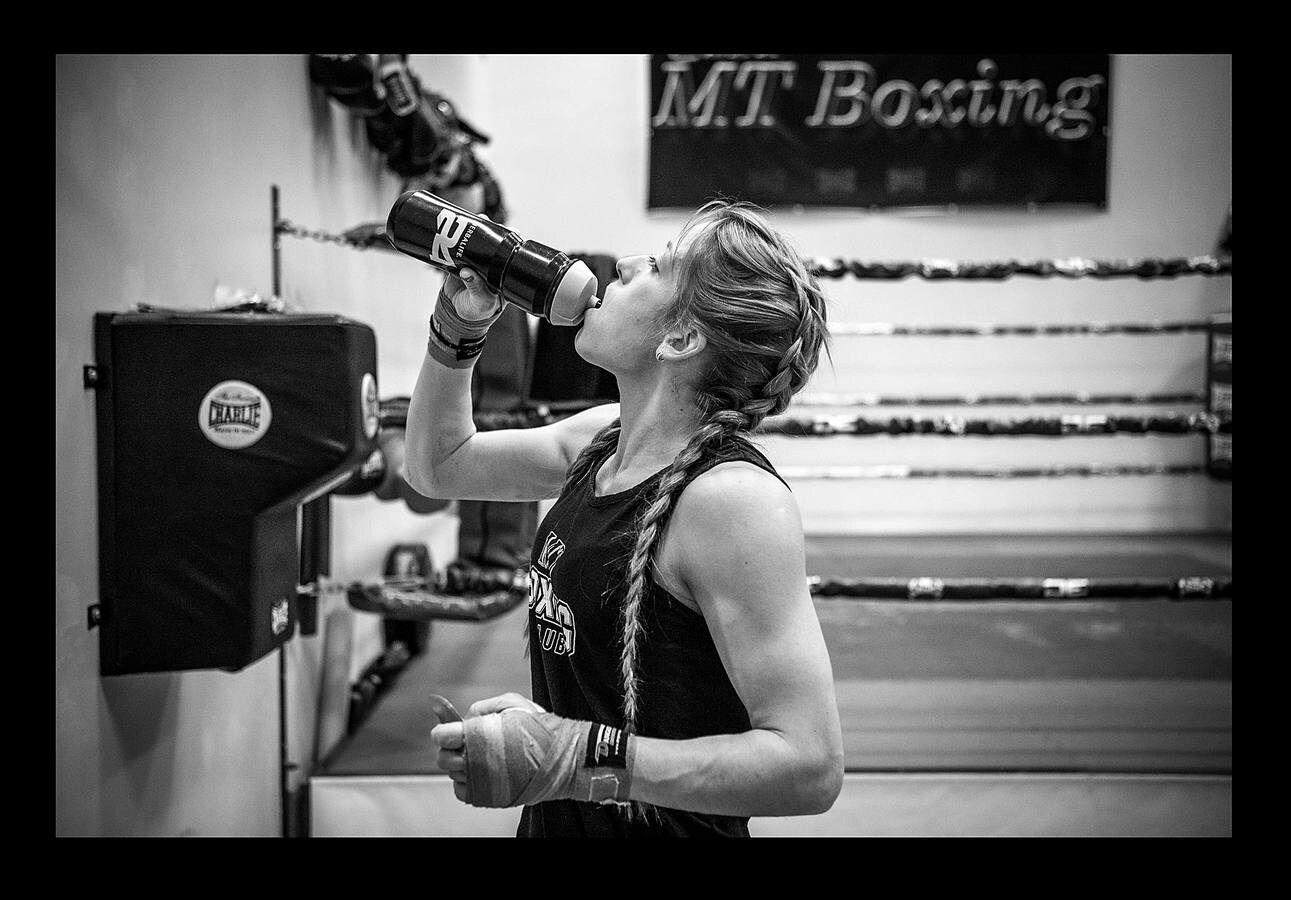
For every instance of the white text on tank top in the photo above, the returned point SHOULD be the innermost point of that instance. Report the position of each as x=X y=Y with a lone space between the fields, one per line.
x=554 y=618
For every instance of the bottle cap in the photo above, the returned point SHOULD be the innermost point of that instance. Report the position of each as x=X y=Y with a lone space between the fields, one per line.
x=576 y=292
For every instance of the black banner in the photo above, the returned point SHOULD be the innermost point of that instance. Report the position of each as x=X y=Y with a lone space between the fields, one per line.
x=879 y=130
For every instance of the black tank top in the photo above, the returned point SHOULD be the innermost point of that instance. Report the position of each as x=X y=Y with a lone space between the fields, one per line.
x=577 y=585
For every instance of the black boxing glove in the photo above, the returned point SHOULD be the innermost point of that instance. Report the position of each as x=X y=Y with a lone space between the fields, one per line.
x=348 y=79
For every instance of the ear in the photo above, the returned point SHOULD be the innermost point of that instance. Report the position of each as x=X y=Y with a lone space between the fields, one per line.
x=681 y=343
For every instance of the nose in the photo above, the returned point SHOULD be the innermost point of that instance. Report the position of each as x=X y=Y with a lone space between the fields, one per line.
x=629 y=266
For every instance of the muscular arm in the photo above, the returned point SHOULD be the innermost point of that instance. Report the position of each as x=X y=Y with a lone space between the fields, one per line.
x=735 y=544
x=734 y=548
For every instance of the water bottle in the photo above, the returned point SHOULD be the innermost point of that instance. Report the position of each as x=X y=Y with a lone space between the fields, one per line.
x=543 y=282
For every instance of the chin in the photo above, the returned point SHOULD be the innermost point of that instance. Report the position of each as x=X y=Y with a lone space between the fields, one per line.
x=585 y=347
x=580 y=345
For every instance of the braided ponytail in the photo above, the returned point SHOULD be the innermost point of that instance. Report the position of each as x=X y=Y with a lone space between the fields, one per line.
x=604 y=439
x=762 y=313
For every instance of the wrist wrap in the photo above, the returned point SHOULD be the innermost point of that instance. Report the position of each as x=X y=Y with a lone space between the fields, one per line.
x=518 y=758
x=456 y=342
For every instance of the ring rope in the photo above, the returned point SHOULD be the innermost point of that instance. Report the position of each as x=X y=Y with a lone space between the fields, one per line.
x=1188 y=588
x=1072 y=267
x=815 y=473
x=931 y=269
x=1082 y=398
x=826 y=426
x=424 y=599
x=889 y=329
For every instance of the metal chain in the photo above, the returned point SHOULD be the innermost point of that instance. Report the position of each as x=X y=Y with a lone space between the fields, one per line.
x=285 y=226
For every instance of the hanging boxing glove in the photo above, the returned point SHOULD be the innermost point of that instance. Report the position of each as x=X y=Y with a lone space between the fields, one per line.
x=402 y=94
x=348 y=78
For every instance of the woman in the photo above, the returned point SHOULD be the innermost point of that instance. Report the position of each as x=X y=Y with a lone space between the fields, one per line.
x=681 y=682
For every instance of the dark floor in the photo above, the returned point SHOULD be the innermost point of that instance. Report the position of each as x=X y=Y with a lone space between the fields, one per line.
x=1141 y=685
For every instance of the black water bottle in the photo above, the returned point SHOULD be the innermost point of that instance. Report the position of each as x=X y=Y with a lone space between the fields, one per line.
x=541 y=281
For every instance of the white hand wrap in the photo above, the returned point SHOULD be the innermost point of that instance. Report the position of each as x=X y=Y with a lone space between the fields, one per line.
x=518 y=758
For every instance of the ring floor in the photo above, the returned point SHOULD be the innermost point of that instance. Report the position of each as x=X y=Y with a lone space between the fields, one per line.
x=1028 y=718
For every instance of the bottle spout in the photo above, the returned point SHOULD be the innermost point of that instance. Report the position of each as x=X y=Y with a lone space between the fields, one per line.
x=574 y=295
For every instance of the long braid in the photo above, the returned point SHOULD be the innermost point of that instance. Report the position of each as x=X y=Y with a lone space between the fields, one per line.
x=650 y=528
x=604 y=439
x=751 y=376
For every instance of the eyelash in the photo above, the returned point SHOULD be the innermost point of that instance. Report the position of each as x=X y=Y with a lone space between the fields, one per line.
x=654 y=264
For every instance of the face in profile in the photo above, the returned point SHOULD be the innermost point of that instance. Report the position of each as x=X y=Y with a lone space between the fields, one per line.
x=621 y=335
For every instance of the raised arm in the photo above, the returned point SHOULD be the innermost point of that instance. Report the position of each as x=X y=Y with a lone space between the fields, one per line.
x=447 y=458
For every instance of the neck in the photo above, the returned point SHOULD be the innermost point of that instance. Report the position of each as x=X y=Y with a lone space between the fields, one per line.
x=657 y=419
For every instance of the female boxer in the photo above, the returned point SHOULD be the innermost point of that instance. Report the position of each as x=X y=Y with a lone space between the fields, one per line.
x=681 y=683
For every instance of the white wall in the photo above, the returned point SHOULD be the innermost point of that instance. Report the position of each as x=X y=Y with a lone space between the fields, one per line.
x=163 y=169
x=571 y=151
x=163 y=174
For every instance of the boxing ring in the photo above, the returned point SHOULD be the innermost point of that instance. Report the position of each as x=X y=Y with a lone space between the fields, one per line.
x=989 y=684
x=1090 y=713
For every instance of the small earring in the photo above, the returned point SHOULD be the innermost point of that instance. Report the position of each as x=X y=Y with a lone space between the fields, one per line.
x=658 y=354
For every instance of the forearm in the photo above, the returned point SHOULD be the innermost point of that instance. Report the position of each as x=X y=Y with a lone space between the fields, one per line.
x=440 y=421
x=756 y=773
x=439 y=413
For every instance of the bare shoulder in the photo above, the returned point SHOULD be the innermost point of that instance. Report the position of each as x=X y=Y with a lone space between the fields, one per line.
x=735 y=542
x=739 y=500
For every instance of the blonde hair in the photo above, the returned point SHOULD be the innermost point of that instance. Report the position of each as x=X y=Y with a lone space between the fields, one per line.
x=762 y=313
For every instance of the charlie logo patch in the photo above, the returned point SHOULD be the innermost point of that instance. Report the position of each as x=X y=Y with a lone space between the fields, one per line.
x=554 y=618
x=368 y=403
x=234 y=415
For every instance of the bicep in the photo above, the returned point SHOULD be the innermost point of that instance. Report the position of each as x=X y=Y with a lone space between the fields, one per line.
x=520 y=463
x=742 y=559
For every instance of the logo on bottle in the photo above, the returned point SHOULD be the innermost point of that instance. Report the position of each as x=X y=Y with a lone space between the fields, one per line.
x=234 y=415
x=449 y=229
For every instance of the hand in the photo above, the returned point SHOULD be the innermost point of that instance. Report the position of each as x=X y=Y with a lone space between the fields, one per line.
x=450 y=736
x=509 y=751
x=509 y=700
x=465 y=309
x=470 y=296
